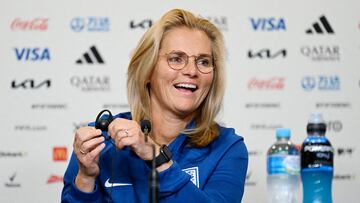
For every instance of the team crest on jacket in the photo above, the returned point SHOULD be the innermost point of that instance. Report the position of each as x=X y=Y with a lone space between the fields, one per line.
x=194 y=173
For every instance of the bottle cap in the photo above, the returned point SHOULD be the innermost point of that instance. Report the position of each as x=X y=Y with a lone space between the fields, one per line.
x=316 y=118
x=316 y=124
x=283 y=133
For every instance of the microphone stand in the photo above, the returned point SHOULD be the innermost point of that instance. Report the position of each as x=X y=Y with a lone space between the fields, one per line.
x=154 y=180
x=154 y=176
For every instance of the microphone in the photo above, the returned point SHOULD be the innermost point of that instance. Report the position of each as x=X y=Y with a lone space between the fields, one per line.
x=103 y=123
x=145 y=128
x=154 y=176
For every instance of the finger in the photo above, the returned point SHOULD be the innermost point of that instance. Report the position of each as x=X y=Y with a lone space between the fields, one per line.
x=129 y=139
x=91 y=144
x=91 y=158
x=117 y=138
x=94 y=154
x=87 y=133
x=84 y=134
x=117 y=125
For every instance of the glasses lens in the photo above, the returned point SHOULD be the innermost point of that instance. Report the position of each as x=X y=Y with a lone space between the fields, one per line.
x=204 y=64
x=177 y=60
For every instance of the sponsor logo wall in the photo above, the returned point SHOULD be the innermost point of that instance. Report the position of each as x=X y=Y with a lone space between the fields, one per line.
x=59 y=71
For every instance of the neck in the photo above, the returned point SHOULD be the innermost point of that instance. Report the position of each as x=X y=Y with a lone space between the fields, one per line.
x=166 y=127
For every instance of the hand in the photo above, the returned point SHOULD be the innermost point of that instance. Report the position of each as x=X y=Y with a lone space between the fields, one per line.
x=128 y=133
x=88 y=144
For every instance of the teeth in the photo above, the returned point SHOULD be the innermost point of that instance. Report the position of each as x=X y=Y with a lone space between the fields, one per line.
x=190 y=86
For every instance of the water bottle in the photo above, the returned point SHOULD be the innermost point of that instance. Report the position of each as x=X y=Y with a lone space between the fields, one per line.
x=316 y=163
x=283 y=169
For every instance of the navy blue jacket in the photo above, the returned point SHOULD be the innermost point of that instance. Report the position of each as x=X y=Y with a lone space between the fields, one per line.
x=215 y=173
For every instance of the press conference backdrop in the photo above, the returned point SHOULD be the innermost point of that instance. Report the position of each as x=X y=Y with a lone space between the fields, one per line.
x=64 y=61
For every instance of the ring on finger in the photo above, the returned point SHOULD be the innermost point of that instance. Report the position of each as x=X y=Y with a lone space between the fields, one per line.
x=126 y=133
x=82 y=152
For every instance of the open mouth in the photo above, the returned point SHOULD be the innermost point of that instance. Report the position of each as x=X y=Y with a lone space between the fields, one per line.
x=186 y=86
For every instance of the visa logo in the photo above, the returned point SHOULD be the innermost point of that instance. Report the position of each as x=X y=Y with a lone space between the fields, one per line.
x=268 y=24
x=32 y=54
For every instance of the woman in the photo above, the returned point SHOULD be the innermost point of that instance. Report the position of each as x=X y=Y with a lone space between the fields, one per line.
x=175 y=80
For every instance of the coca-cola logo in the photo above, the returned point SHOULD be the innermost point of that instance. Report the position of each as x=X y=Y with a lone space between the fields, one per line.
x=55 y=179
x=273 y=83
x=40 y=24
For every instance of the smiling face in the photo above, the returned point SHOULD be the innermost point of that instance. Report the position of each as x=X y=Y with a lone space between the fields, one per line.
x=180 y=92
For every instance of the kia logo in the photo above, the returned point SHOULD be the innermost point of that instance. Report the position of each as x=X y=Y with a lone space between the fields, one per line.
x=267 y=54
x=144 y=24
x=30 y=84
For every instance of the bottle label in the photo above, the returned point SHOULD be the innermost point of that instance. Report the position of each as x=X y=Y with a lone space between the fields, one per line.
x=283 y=164
x=316 y=152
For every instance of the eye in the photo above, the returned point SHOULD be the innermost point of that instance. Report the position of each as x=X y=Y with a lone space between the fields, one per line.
x=204 y=61
x=176 y=58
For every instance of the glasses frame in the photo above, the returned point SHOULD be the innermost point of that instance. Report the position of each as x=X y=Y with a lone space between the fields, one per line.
x=187 y=61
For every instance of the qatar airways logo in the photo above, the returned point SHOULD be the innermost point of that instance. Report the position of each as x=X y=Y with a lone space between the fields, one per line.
x=38 y=24
x=273 y=83
x=321 y=52
x=91 y=83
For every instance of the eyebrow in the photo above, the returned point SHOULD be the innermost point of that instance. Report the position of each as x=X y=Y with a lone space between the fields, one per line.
x=179 y=51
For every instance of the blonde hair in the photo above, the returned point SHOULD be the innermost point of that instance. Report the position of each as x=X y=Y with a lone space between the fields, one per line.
x=143 y=62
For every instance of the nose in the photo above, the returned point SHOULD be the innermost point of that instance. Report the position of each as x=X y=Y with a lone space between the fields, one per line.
x=190 y=67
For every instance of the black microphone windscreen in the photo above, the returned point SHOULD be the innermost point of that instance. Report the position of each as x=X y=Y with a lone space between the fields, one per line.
x=145 y=126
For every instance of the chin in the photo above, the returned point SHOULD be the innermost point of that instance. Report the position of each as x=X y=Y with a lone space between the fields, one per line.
x=186 y=110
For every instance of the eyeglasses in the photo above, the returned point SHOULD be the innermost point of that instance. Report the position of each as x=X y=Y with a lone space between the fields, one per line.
x=177 y=60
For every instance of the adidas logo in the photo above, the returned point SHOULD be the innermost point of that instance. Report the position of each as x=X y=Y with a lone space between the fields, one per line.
x=321 y=27
x=91 y=57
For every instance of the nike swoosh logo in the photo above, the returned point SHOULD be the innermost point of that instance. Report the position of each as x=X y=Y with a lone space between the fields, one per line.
x=108 y=184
